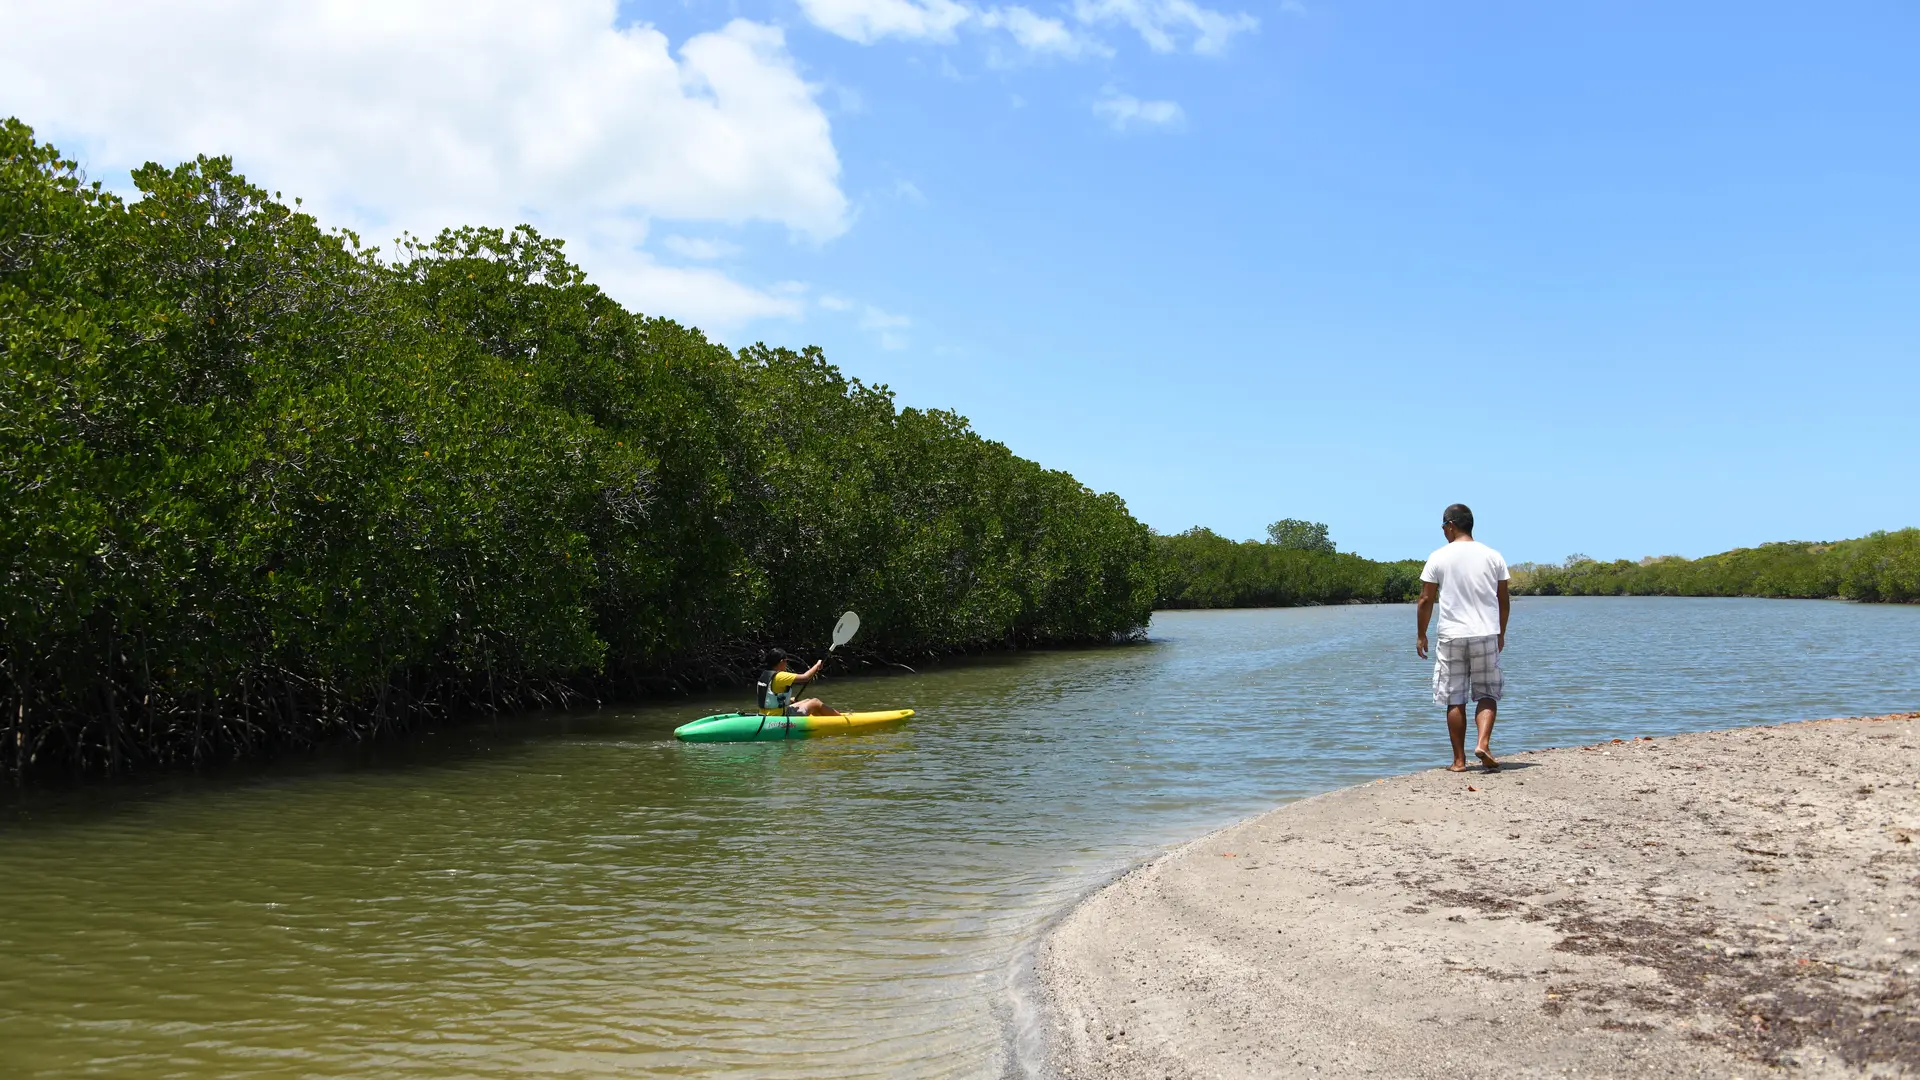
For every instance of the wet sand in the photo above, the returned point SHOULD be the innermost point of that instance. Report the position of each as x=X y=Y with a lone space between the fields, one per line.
x=1728 y=904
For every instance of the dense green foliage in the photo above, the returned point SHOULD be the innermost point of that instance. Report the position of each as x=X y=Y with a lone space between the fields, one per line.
x=262 y=486
x=1202 y=569
x=1884 y=566
x=1300 y=535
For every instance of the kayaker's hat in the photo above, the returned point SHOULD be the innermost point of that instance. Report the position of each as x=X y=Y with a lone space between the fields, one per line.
x=775 y=657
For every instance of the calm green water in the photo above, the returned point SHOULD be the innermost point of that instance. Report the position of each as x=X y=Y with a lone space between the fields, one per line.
x=585 y=897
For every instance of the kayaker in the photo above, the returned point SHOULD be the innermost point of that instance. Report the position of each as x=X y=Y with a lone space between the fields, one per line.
x=777 y=685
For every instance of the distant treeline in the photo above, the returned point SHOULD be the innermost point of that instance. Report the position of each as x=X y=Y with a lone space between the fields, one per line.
x=262 y=486
x=1884 y=566
x=1296 y=565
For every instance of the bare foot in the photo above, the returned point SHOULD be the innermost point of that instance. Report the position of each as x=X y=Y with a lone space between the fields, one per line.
x=1458 y=766
x=1486 y=758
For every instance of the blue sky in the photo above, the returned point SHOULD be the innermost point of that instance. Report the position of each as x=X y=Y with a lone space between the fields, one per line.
x=1629 y=278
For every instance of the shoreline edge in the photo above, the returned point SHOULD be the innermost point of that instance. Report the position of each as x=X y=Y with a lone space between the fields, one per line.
x=1733 y=902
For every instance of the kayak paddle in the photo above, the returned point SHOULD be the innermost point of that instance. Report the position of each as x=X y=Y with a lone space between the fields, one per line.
x=844 y=630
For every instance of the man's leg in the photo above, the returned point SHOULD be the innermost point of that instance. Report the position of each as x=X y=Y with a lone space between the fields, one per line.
x=1484 y=748
x=1485 y=685
x=1457 y=732
x=813 y=706
x=1450 y=691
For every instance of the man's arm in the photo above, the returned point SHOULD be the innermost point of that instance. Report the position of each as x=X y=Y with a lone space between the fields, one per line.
x=1429 y=592
x=818 y=664
x=1506 y=605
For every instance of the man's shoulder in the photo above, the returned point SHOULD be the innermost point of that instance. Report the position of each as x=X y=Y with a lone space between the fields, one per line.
x=1490 y=561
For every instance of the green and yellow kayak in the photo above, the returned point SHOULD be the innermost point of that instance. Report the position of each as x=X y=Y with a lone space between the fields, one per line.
x=754 y=727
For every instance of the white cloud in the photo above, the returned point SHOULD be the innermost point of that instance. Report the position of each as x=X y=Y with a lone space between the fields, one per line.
x=850 y=100
x=867 y=21
x=1126 y=112
x=872 y=318
x=701 y=248
x=427 y=113
x=1039 y=34
x=886 y=326
x=1163 y=24
x=705 y=298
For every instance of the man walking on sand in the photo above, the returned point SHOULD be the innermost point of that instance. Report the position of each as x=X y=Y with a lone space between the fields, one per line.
x=1468 y=580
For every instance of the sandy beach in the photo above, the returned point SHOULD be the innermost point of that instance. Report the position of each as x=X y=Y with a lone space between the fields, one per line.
x=1726 y=904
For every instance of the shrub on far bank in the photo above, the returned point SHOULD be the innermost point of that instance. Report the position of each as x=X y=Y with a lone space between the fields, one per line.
x=1200 y=568
x=1879 y=567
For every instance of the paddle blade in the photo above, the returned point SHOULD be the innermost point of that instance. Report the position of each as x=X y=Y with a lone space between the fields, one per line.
x=844 y=630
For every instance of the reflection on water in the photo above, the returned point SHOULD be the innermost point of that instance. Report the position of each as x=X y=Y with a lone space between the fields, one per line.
x=583 y=896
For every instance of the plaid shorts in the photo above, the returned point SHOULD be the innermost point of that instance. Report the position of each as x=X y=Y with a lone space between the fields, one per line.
x=1467 y=669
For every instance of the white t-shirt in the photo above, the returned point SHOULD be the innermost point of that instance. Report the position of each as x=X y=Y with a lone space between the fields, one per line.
x=1469 y=574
